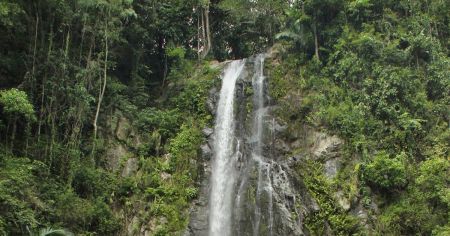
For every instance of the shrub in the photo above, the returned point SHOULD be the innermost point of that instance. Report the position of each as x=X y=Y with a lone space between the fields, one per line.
x=407 y=217
x=385 y=173
x=16 y=103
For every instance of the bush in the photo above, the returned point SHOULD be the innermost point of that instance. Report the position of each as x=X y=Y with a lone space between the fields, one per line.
x=81 y=214
x=407 y=217
x=16 y=103
x=165 y=122
x=17 y=184
x=434 y=178
x=91 y=183
x=385 y=173
x=184 y=147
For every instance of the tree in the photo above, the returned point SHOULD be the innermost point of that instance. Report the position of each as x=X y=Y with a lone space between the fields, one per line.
x=205 y=28
x=16 y=106
x=244 y=27
x=434 y=179
x=111 y=26
x=317 y=18
x=385 y=173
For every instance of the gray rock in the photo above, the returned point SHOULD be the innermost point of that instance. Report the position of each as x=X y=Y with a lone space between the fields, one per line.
x=331 y=168
x=123 y=129
x=363 y=216
x=198 y=224
x=210 y=141
x=130 y=168
x=133 y=226
x=281 y=147
x=153 y=225
x=206 y=151
x=215 y=64
x=207 y=131
x=211 y=102
x=276 y=127
x=286 y=198
x=114 y=154
x=326 y=146
x=342 y=200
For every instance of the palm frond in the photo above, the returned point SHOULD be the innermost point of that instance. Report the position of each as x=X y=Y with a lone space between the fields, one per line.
x=54 y=232
x=288 y=35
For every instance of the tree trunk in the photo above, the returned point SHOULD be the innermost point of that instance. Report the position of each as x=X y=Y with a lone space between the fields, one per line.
x=102 y=90
x=87 y=82
x=208 y=32
x=417 y=60
x=35 y=46
x=83 y=31
x=165 y=72
x=203 y=34
x=52 y=139
x=44 y=80
x=198 y=36
x=13 y=135
x=8 y=126
x=316 y=41
x=27 y=137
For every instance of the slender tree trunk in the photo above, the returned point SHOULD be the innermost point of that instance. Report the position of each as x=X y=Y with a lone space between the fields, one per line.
x=417 y=60
x=8 y=126
x=13 y=135
x=52 y=137
x=49 y=145
x=198 y=35
x=27 y=135
x=437 y=30
x=88 y=78
x=83 y=31
x=204 y=43
x=208 y=31
x=271 y=36
x=66 y=51
x=316 y=41
x=102 y=90
x=44 y=80
x=35 y=46
x=166 y=69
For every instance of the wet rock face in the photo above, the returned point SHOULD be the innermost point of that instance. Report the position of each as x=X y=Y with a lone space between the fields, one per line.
x=279 y=204
x=211 y=102
x=198 y=224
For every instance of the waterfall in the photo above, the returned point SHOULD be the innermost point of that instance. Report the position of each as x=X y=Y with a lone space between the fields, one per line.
x=247 y=187
x=241 y=196
x=223 y=169
x=263 y=165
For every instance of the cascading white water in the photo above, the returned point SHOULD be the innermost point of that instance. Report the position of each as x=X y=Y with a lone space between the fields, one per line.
x=249 y=190
x=223 y=176
x=264 y=183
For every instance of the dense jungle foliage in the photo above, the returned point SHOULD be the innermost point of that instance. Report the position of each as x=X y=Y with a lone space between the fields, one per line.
x=73 y=73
